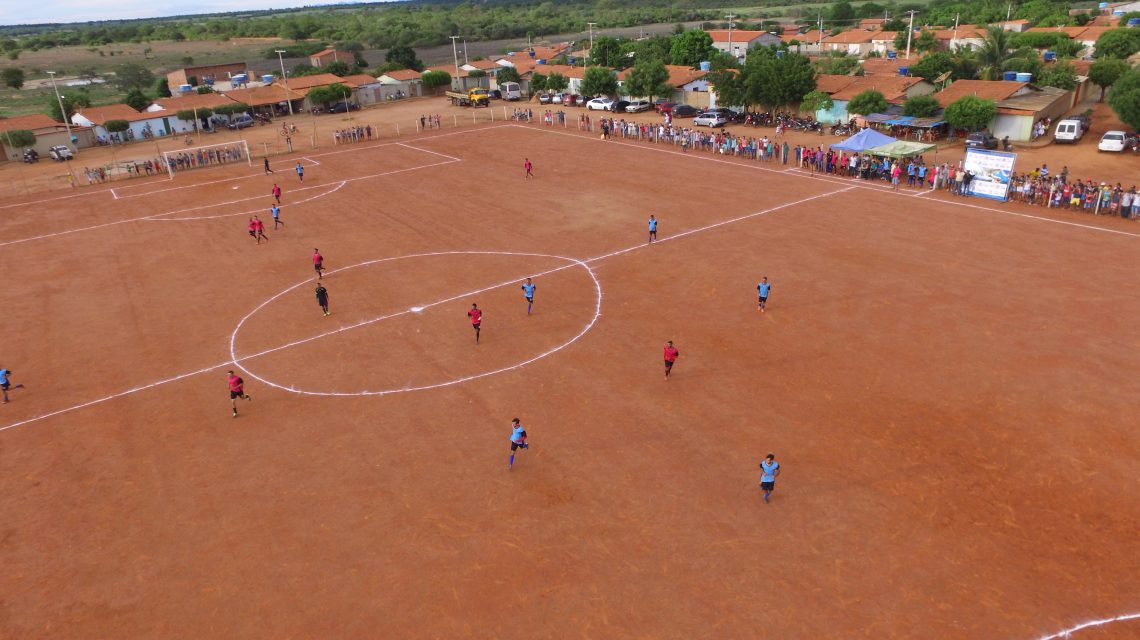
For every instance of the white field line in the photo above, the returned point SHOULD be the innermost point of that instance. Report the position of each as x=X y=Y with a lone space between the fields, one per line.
x=315 y=163
x=1068 y=633
x=438 y=302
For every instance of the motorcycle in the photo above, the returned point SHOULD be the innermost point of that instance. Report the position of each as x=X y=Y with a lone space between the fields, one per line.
x=31 y=156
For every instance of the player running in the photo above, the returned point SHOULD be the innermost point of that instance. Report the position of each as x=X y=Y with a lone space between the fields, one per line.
x=671 y=355
x=769 y=469
x=277 y=193
x=276 y=211
x=257 y=229
x=528 y=291
x=300 y=171
x=529 y=169
x=762 y=290
x=476 y=316
x=237 y=389
x=323 y=297
x=518 y=441
x=318 y=263
x=6 y=384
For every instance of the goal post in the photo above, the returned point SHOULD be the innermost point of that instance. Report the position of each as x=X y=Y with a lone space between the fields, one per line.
x=205 y=157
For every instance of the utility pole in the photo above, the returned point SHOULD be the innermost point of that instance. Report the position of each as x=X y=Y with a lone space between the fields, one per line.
x=910 y=32
x=63 y=112
x=455 y=54
x=590 y=56
x=730 y=18
x=1008 y=13
x=465 y=60
x=819 y=45
x=955 y=38
x=284 y=79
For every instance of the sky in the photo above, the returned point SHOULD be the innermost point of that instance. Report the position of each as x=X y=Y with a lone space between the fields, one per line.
x=19 y=12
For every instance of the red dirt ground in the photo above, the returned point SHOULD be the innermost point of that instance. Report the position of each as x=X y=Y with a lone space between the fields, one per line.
x=950 y=388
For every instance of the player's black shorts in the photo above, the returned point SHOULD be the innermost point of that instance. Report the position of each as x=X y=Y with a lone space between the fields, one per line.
x=324 y=302
x=317 y=266
x=529 y=299
x=768 y=486
x=236 y=394
x=475 y=325
x=763 y=298
x=4 y=385
x=668 y=364
x=518 y=445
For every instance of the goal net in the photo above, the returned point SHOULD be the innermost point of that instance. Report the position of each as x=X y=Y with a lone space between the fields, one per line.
x=211 y=155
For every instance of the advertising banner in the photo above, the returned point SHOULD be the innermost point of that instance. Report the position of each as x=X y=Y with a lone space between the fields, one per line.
x=991 y=171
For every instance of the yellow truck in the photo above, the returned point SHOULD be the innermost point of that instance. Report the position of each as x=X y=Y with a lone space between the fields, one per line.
x=477 y=97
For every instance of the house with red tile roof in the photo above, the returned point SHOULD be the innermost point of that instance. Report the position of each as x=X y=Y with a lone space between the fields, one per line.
x=853 y=42
x=48 y=132
x=737 y=42
x=325 y=57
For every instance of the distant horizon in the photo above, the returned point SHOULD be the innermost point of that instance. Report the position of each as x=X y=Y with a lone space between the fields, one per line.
x=67 y=11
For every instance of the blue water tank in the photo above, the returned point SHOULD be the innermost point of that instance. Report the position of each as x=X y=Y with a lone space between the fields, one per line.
x=780 y=53
x=904 y=70
x=1103 y=5
x=1134 y=22
x=267 y=78
x=1025 y=77
x=571 y=60
x=1009 y=76
x=1050 y=56
x=240 y=78
x=540 y=61
x=891 y=55
x=209 y=82
x=531 y=52
x=706 y=65
x=185 y=88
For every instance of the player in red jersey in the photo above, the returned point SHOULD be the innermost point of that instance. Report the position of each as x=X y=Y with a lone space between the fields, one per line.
x=318 y=263
x=529 y=169
x=277 y=193
x=257 y=229
x=671 y=355
x=237 y=390
x=476 y=316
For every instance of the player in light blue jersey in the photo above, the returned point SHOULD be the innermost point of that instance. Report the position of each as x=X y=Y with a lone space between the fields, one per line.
x=528 y=291
x=763 y=289
x=652 y=229
x=518 y=441
x=769 y=469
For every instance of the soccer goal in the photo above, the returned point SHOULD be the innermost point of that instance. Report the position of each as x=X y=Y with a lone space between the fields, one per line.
x=211 y=155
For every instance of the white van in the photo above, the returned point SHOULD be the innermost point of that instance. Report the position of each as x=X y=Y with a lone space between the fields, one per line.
x=510 y=91
x=1068 y=131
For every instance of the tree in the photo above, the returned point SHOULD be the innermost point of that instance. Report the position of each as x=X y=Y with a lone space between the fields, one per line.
x=1124 y=98
x=932 y=65
x=19 y=138
x=13 y=77
x=926 y=41
x=136 y=100
x=330 y=93
x=606 y=52
x=404 y=56
x=1106 y=71
x=841 y=12
x=187 y=60
x=649 y=78
x=817 y=101
x=1118 y=43
x=970 y=112
x=729 y=87
x=1061 y=75
x=869 y=101
x=507 y=74
x=162 y=88
x=116 y=126
x=776 y=79
x=1123 y=22
x=657 y=48
x=338 y=68
x=302 y=69
x=73 y=101
x=133 y=76
x=189 y=114
x=599 y=81
x=537 y=83
x=204 y=89
x=839 y=64
x=997 y=47
x=691 y=47
x=556 y=83
x=230 y=109
x=435 y=79
x=921 y=106
x=389 y=66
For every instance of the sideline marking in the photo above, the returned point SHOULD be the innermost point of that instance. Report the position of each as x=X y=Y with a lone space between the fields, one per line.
x=797 y=170
x=408 y=146
x=114 y=195
x=572 y=263
x=1093 y=623
x=315 y=163
x=594 y=259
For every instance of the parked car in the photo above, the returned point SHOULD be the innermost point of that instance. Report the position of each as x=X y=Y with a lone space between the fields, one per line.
x=619 y=106
x=637 y=106
x=664 y=106
x=60 y=153
x=710 y=119
x=545 y=98
x=1113 y=141
x=341 y=107
x=1083 y=119
x=556 y=98
x=981 y=140
x=1068 y=130
x=599 y=104
x=685 y=111
x=241 y=122
x=510 y=90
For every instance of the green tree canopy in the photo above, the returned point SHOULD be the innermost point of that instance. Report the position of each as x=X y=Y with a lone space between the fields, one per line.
x=136 y=100
x=434 y=79
x=230 y=109
x=18 y=138
x=507 y=74
x=839 y=64
x=13 y=77
x=869 y=101
x=599 y=81
x=133 y=76
x=1124 y=98
x=330 y=93
x=729 y=87
x=691 y=47
x=970 y=112
x=841 y=12
x=932 y=65
x=72 y=102
x=162 y=88
x=116 y=126
x=1061 y=75
x=776 y=80
x=338 y=68
x=537 y=83
x=817 y=100
x=404 y=56
x=921 y=106
x=1118 y=43
x=188 y=114
x=649 y=78
x=1106 y=71
x=657 y=47
x=606 y=52
x=556 y=82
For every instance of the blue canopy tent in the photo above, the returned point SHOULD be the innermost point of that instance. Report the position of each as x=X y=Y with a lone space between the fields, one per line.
x=864 y=140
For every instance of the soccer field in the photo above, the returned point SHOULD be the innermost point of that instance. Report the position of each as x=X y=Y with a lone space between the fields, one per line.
x=949 y=385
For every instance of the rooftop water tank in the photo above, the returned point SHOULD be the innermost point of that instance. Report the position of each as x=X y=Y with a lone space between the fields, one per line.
x=267 y=78
x=531 y=52
x=891 y=55
x=904 y=70
x=185 y=88
x=706 y=65
x=540 y=61
x=1009 y=76
x=1050 y=56
x=1134 y=22
x=1025 y=77
x=240 y=78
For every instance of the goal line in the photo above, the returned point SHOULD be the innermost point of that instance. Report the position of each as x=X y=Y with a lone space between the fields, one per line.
x=211 y=155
